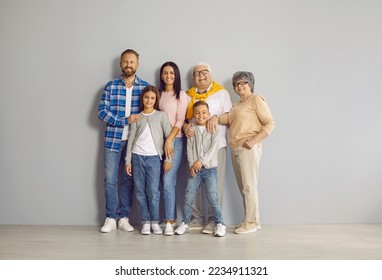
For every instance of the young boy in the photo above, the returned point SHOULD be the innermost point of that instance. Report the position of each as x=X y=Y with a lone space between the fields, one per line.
x=203 y=161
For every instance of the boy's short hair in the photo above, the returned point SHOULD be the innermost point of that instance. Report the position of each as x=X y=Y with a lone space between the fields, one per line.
x=200 y=103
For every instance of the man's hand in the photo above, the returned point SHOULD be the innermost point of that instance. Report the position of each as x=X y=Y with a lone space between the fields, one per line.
x=189 y=130
x=134 y=118
x=212 y=124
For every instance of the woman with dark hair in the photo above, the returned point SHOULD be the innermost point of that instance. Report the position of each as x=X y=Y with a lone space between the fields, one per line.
x=174 y=102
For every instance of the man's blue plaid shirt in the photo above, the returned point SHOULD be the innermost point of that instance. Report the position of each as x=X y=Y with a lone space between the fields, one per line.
x=111 y=109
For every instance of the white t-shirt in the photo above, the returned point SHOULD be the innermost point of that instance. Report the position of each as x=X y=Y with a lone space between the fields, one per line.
x=145 y=145
x=129 y=92
x=220 y=103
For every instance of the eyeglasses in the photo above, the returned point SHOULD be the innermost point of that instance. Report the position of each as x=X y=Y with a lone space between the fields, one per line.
x=241 y=84
x=203 y=72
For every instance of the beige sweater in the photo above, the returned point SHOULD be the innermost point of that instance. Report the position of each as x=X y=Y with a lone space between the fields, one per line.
x=248 y=118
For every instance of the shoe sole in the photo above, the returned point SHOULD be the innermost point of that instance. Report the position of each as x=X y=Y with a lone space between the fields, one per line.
x=127 y=230
x=177 y=233
x=207 y=231
x=196 y=228
x=107 y=231
x=248 y=231
x=168 y=233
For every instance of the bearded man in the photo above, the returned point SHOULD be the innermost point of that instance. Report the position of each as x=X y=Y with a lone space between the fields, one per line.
x=118 y=108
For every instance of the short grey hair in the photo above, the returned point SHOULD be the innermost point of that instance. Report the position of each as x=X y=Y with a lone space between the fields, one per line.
x=202 y=64
x=244 y=76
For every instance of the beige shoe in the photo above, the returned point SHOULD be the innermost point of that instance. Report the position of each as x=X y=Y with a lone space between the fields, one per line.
x=195 y=224
x=257 y=225
x=246 y=228
x=209 y=228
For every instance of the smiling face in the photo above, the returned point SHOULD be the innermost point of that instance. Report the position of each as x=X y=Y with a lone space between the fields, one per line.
x=201 y=114
x=202 y=77
x=129 y=64
x=242 y=88
x=149 y=99
x=168 y=76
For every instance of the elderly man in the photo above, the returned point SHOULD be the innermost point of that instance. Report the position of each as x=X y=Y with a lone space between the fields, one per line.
x=219 y=102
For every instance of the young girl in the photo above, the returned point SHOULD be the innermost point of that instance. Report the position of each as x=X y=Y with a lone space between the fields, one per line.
x=174 y=102
x=143 y=157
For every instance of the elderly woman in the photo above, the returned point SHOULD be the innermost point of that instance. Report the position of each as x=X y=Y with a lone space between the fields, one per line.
x=250 y=122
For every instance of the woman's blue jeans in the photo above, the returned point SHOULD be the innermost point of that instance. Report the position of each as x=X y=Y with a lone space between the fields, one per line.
x=169 y=181
x=146 y=173
x=209 y=177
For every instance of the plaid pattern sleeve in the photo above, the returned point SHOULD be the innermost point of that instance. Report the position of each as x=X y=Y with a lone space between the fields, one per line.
x=111 y=109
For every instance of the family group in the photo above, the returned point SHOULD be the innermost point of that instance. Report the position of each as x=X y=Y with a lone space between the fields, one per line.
x=149 y=130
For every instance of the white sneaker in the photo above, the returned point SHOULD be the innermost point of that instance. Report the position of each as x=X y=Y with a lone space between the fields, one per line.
x=181 y=229
x=124 y=225
x=169 y=230
x=145 y=229
x=209 y=228
x=220 y=230
x=109 y=225
x=156 y=228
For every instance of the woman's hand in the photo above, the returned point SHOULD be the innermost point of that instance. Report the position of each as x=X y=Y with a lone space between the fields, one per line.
x=249 y=143
x=167 y=166
x=169 y=149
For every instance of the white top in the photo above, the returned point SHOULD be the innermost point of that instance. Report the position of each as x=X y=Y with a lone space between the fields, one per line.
x=125 y=133
x=220 y=103
x=145 y=145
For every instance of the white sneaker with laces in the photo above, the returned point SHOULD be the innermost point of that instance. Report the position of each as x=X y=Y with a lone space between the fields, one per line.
x=124 y=224
x=169 y=230
x=156 y=228
x=145 y=229
x=220 y=230
x=209 y=228
x=181 y=229
x=109 y=225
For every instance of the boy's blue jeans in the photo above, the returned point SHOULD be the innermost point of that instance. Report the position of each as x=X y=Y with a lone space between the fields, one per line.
x=146 y=173
x=209 y=177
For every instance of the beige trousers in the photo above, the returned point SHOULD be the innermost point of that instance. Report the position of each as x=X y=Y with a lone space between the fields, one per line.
x=246 y=167
x=197 y=208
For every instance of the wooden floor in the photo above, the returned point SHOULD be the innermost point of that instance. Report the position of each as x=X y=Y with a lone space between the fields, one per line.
x=273 y=242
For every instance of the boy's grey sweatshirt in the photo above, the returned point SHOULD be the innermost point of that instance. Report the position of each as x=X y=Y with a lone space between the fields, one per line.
x=209 y=142
x=160 y=128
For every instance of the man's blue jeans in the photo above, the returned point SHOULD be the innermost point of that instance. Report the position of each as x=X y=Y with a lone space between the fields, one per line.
x=146 y=172
x=169 y=181
x=114 y=162
x=209 y=177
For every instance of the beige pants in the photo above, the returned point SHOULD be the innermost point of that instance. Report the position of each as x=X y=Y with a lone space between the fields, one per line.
x=246 y=166
x=197 y=208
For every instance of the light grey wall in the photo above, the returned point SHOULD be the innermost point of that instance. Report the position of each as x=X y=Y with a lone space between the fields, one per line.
x=318 y=63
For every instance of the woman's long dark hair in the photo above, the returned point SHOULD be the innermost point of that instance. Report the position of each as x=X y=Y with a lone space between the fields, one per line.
x=177 y=81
